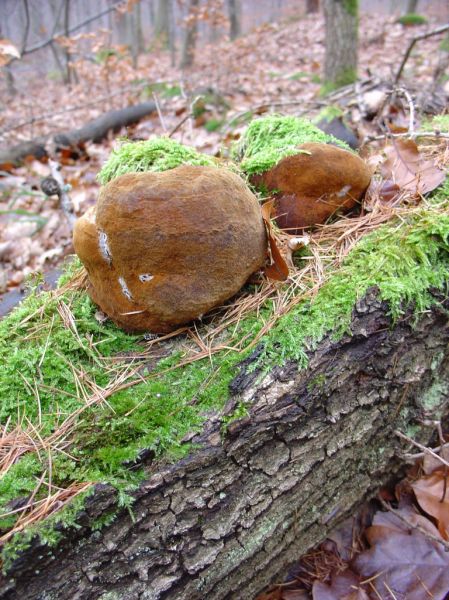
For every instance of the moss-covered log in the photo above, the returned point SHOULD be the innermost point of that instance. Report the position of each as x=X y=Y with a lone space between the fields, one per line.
x=228 y=519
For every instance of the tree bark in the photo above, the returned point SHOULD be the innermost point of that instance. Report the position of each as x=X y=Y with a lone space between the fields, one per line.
x=235 y=15
x=312 y=6
x=230 y=518
x=189 y=41
x=96 y=130
x=412 y=6
x=340 y=64
x=162 y=20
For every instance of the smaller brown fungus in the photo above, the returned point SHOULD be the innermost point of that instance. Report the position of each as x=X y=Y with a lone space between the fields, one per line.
x=313 y=185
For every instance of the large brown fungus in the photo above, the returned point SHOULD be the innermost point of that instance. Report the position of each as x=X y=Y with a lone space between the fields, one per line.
x=164 y=248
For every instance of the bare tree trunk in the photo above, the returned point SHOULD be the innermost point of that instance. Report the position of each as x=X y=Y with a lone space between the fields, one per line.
x=70 y=73
x=162 y=20
x=134 y=33
x=189 y=41
x=340 y=64
x=10 y=81
x=412 y=6
x=171 y=33
x=312 y=6
x=235 y=15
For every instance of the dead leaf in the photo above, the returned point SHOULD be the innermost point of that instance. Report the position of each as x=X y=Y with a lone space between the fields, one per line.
x=295 y=595
x=431 y=464
x=406 y=167
x=278 y=270
x=344 y=586
x=379 y=190
x=410 y=566
x=7 y=52
x=433 y=497
x=386 y=523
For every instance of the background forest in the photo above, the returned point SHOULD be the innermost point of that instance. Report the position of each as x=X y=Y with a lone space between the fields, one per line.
x=309 y=391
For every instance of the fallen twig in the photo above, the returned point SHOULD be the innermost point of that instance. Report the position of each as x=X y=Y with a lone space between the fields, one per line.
x=416 y=134
x=64 y=198
x=421 y=447
x=416 y=39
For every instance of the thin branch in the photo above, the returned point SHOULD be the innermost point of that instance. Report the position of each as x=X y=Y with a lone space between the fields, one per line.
x=420 y=455
x=407 y=96
x=159 y=112
x=416 y=39
x=421 y=447
x=64 y=198
x=416 y=134
x=43 y=117
x=179 y=125
x=48 y=41
x=27 y=26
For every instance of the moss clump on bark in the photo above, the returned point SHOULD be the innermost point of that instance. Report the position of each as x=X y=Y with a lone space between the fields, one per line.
x=411 y=19
x=159 y=154
x=345 y=77
x=404 y=259
x=351 y=7
x=268 y=140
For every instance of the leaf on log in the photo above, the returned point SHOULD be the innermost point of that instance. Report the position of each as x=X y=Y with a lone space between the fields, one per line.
x=408 y=169
x=406 y=565
x=433 y=497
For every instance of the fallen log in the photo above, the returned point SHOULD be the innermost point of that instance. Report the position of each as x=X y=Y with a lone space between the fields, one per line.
x=230 y=518
x=95 y=131
x=15 y=155
x=99 y=128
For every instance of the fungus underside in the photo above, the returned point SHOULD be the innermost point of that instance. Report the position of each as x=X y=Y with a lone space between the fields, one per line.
x=267 y=140
x=404 y=259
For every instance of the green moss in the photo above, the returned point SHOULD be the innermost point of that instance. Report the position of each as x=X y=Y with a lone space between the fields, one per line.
x=213 y=125
x=328 y=114
x=439 y=122
x=344 y=77
x=411 y=19
x=166 y=90
x=159 y=154
x=440 y=196
x=351 y=7
x=240 y=412
x=299 y=75
x=444 y=45
x=404 y=259
x=403 y=263
x=317 y=383
x=266 y=141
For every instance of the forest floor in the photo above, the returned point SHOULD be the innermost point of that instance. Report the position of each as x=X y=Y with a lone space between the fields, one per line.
x=279 y=68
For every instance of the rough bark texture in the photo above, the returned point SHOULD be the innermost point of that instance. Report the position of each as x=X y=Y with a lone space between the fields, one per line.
x=235 y=17
x=312 y=6
x=226 y=521
x=98 y=129
x=189 y=41
x=95 y=131
x=15 y=155
x=340 y=64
